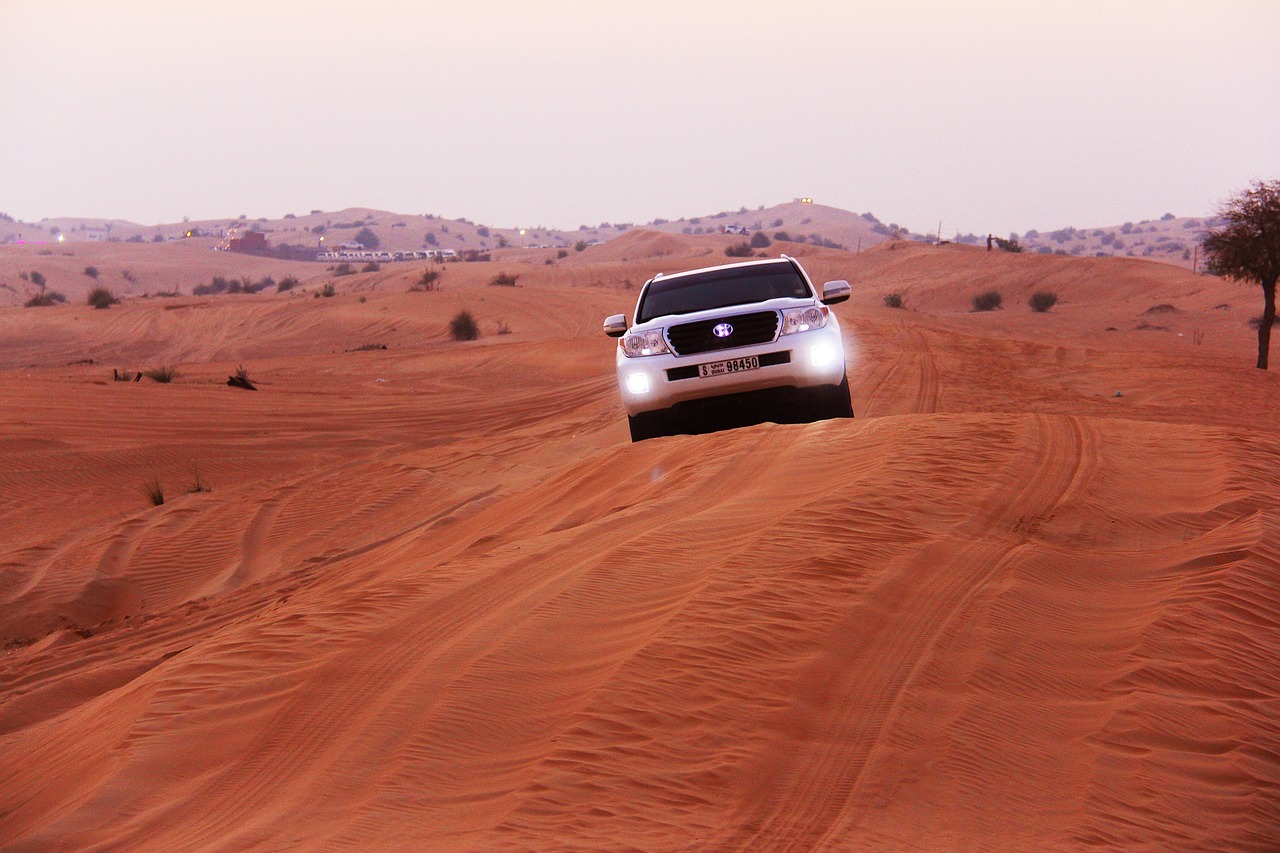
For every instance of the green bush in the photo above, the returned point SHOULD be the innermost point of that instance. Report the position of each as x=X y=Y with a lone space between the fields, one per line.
x=1042 y=300
x=463 y=326
x=988 y=301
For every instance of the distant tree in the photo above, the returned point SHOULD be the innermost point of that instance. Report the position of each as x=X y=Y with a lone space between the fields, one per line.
x=368 y=239
x=1247 y=247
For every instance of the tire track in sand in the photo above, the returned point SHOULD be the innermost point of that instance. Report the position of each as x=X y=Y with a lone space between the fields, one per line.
x=915 y=364
x=808 y=785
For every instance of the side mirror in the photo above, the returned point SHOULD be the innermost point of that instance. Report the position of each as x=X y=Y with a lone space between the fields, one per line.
x=615 y=326
x=835 y=291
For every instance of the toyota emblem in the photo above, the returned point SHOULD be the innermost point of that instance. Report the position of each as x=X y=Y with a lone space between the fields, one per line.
x=722 y=330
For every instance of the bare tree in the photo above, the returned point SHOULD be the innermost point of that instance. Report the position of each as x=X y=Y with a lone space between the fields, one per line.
x=1247 y=248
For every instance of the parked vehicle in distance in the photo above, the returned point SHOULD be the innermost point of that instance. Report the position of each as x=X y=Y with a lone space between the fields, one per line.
x=736 y=338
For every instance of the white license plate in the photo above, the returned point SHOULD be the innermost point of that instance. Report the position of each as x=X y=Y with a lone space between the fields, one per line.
x=733 y=365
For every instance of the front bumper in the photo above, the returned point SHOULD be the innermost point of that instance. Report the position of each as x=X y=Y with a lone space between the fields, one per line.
x=803 y=360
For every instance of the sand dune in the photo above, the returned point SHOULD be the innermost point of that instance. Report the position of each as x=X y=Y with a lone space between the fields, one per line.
x=435 y=600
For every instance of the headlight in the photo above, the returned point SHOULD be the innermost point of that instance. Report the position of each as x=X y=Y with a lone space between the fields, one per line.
x=803 y=319
x=640 y=344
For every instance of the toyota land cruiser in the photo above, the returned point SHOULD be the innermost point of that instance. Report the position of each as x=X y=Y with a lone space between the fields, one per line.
x=731 y=337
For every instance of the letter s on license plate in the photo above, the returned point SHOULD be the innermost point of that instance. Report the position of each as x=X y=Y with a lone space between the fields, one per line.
x=733 y=365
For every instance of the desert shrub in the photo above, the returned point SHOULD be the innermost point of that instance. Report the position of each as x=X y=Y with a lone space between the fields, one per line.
x=1008 y=245
x=473 y=256
x=760 y=240
x=92 y=271
x=1167 y=217
x=483 y=231
x=154 y=491
x=503 y=328
x=579 y=246
x=1042 y=300
x=100 y=297
x=289 y=282
x=893 y=300
x=503 y=280
x=198 y=484
x=372 y=266
x=561 y=254
x=344 y=269
x=988 y=301
x=463 y=326
x=164 y=374
x=42 y=300
x=739 y=250
x=430 y=238
x=782 y=235
x=327 y=290
x=37 y=279
x=429 y=281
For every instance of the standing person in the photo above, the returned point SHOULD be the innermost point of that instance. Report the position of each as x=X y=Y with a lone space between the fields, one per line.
x=988 y=242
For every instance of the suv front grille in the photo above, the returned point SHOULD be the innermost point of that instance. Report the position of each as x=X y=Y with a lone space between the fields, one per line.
x=759 y=327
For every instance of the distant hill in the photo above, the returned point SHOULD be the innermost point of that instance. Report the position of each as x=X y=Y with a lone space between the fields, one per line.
x=1170 y=239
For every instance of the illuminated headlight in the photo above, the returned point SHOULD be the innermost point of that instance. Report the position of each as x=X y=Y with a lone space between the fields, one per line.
x=823 y=355
x=638 y=383
x=803 y=319
x=640 y=344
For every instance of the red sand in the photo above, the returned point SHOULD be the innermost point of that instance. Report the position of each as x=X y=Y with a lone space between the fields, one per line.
x=436 y=601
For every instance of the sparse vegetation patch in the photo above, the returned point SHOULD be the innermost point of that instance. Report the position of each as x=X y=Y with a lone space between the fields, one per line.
x=42 y=300
x=1042 y=300
x=463 y=326
x=988 y=301
x=893 y=300
x=100 y=298
x=163 y=374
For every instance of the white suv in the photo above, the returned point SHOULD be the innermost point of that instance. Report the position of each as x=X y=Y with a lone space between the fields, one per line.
x=729 y=339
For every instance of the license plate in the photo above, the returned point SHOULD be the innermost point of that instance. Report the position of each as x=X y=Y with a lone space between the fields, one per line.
x=733 y=365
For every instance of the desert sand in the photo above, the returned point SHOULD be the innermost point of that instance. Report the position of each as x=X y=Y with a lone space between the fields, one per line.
x=434 y=599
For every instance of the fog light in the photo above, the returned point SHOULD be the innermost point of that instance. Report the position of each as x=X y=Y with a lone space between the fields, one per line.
x=638 y=383
x=822 y=355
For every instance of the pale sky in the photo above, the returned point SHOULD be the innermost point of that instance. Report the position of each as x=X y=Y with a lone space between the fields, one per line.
x=986 y=116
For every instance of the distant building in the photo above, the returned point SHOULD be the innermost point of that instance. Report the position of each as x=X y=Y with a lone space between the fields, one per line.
x=252 y=241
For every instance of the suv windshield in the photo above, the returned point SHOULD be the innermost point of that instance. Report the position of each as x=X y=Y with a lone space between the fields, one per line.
x=719 y=288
